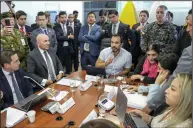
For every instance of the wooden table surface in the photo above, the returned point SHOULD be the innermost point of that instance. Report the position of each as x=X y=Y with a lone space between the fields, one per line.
x=84 y=104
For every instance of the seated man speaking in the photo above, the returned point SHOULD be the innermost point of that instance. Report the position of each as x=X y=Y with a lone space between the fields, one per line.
x=116 y=60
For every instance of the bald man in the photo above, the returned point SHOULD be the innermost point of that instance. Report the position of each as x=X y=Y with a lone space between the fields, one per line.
x=42 y=64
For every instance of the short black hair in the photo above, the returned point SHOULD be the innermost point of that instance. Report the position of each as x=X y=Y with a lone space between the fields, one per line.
x=190 y=12
x=6 y=57
x=168 y=62
x=163 y=6
x=118 y=35
x=155 y=47
x=41 y=14
x=171 y=14
x=75 y=11
x=56 y=17
x=102 y=13
x=91 y=13
x=113 y=12
x=62 y=13
x=20 y=13
x=146 y=12
x=99 y=123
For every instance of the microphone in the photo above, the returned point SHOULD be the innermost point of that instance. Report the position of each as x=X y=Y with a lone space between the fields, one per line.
x=59 y=118
x=27 y=77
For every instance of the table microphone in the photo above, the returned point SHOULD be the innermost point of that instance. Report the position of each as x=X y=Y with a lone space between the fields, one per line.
x=27 y=77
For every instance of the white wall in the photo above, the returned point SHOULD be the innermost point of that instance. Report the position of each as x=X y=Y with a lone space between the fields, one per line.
x=33 y=7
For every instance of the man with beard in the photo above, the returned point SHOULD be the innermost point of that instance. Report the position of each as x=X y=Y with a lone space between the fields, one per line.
x=116 y=60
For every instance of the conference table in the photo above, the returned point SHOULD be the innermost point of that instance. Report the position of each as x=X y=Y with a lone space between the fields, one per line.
x=85 y=102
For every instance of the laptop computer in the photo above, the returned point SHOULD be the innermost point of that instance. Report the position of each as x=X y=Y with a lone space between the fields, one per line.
x=128 y=119
x=3 y=118
x=29 y=102
x=94 y=70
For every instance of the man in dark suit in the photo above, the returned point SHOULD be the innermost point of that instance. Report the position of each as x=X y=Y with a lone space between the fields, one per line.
x=35 y=25
x=42 y=64
x=12 y=82
x=89 y=37
x=43 y=29
x=65 y=38
x=76 y=20
x=104 y=19
x=138 y=30
x=117 y=27
x=25 y=29
x=76 y=44
x=170 y=19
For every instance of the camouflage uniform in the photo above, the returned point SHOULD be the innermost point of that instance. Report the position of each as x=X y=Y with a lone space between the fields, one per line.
x=14 y=43
x=165 y=35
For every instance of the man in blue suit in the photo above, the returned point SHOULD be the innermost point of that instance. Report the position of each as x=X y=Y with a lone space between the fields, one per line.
x=89 y=37
x=43 y=29
x=12 y=82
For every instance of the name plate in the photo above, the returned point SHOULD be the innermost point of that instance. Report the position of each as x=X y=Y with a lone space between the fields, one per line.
x=112 y=93
x=65 y=106
x=86 y=85
x=91 y=78
x=91 y=116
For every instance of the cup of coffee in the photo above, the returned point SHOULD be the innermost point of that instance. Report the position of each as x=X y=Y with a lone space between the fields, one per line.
x=31 y=115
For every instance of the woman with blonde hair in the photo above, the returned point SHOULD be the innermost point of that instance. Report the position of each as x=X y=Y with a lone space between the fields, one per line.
x=179 y=98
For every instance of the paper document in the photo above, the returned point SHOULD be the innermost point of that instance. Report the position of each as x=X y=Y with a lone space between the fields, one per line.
x=108 y=88
x=91 y=116
x=14 y=116
x=92 y=78
x=136 y=100
x=59 y=95
x=66 y=82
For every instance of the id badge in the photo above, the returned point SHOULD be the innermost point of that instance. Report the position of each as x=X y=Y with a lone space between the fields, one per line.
x=23 y=42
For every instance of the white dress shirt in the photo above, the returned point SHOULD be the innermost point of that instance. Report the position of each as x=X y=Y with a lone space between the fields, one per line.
x=117 y=27
x=9 y=79
x=64 y=28
x=72 y=25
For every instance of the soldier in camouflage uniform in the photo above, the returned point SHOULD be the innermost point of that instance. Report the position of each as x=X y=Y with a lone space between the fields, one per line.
x=159 y=32
x=13 y=39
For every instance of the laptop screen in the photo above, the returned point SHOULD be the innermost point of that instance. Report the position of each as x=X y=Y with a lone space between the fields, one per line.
x=121 y=105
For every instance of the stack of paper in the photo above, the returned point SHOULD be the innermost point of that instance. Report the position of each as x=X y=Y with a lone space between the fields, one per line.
x=136 y=100
x=14 y=116
x=66 y=82
x=92 y=78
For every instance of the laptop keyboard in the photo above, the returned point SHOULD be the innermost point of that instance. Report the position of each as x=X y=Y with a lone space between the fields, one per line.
x=129 y=122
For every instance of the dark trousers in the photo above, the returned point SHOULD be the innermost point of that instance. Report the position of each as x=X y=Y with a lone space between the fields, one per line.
x=65 y=57
x=75 y=59
x=88 y=59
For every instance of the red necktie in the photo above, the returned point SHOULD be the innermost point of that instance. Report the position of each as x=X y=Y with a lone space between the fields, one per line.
x=22 y=29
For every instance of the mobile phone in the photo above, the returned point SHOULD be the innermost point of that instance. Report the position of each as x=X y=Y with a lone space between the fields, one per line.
x=7 y=22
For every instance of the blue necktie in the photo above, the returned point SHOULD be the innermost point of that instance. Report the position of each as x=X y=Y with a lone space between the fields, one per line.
x=16 y=88
x=45 y=32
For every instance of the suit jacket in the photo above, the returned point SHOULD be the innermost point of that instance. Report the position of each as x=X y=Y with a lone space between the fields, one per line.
x=126 y=33
x=36 y=65
x=51 y=35
x=61 y=38
x=24 y=86
x=35 y=26
x=184 y=66
x=137 y=51
x=93 y=39
x=28 y=29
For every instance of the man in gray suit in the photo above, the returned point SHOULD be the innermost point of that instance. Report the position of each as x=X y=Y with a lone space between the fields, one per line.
x=184 y=66
x=43 y=29
x=42 y=64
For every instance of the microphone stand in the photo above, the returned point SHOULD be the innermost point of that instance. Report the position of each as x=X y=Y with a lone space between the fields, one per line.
x=59 y=117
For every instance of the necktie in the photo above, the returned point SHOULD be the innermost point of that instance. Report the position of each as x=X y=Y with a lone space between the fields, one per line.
x=50 y=71
x=114 y=29
x=45 y=32
x=16 y=88
x=22 y=29
x=64 y=30
x=90 y=27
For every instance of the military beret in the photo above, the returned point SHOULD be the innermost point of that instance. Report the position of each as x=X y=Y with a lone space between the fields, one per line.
x=7 y=15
